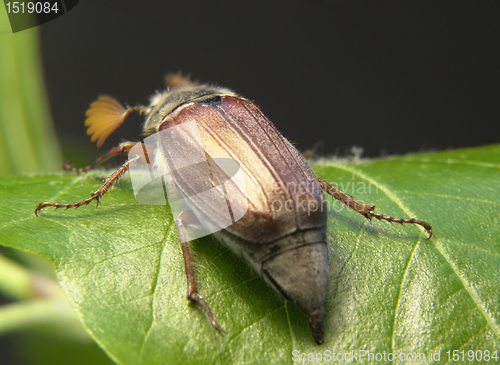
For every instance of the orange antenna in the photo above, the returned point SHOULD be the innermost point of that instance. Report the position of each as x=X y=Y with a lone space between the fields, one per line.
x=176 y=80
x=104 y=116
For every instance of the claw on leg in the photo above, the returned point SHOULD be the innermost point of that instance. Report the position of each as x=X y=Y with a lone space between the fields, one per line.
x=96 y=195
x=192 y=290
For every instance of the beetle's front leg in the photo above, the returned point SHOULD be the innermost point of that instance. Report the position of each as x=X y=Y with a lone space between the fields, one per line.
x=123 y=149
x=96 y=195
x=368 y=211
x=192 y=290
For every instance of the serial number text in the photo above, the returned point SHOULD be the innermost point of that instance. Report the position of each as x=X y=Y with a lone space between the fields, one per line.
x=31 y=7
x=472 y=355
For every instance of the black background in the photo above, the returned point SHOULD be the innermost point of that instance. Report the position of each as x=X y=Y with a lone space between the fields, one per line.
x=390 y=76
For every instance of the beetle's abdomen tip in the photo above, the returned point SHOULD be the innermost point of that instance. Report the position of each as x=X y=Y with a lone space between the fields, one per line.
x=301 y=275
x=317 y=328
x=319 y=336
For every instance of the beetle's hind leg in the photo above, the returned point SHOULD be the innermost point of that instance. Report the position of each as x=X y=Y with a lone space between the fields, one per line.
x=96 y=195
x=192 y=290
x=368 y=211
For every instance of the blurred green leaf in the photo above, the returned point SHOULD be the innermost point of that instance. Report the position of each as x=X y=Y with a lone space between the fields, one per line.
x=391 y=290
x=44 y=350
x=27 y=138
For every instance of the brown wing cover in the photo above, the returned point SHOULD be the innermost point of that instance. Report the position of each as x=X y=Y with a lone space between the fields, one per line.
x=282 y=192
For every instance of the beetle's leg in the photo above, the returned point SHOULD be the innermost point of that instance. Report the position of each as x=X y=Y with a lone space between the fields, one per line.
x=96 y=195
x=192 y=291
x=123 y=149
x=366 y=210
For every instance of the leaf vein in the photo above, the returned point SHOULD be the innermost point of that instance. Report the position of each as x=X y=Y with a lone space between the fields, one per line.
x=350 y=256
x=155 y=285
x=472 y=294
x=475 y=248
x=292 y=337
x=96 y=264
x=255 y=322
x=256 y=277
x=400 y=291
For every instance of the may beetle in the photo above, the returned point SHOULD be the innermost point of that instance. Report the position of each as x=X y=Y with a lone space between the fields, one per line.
x=281 y=230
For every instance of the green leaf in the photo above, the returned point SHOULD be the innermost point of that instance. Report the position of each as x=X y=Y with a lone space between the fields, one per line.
x=391 y=290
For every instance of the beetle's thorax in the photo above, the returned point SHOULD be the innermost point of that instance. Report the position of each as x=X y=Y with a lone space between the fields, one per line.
x=165 y=102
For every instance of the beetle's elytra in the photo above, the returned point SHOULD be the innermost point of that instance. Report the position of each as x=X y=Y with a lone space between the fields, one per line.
x=283 y=233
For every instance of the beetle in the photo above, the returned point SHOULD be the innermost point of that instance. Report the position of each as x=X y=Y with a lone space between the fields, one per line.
x=287 y=247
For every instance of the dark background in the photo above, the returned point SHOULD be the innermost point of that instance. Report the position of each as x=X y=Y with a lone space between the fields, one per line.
x=390 y=76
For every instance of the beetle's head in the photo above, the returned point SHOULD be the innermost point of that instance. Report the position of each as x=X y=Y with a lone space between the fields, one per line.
x=166 y=102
